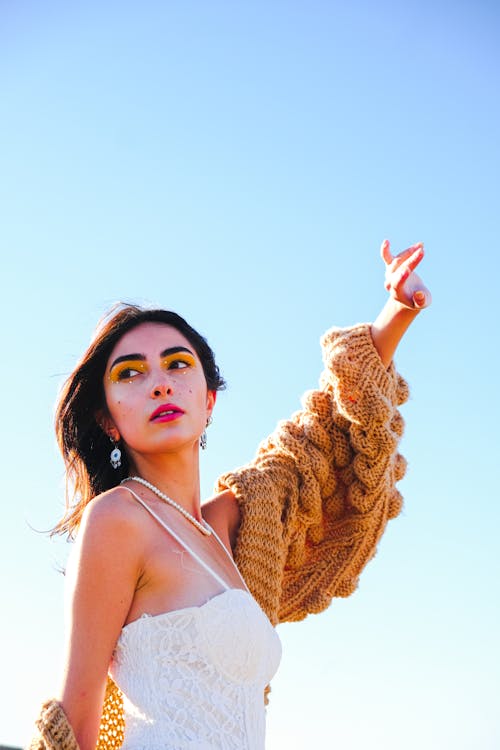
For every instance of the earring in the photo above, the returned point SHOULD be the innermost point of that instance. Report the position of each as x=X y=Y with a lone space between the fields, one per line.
x=115 y=457
x=203 y=438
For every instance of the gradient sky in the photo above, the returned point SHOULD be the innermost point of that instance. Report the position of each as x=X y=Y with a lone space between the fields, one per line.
x=240 y=163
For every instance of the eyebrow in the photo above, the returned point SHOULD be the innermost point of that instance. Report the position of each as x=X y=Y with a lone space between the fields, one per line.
x=142 y=358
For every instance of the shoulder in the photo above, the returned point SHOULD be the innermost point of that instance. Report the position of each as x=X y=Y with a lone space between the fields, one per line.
x=110 y=544
x=113 y=514
x=223 y=513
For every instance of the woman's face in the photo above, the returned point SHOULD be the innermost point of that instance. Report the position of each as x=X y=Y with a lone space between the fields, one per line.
x=156 y=393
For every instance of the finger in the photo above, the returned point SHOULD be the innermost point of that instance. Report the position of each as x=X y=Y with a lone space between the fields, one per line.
x=385 y=252
x=403 y=274
x=404 y=255
x=422 y=301
x=419 y=299
x=415 y=258
x=407 y=266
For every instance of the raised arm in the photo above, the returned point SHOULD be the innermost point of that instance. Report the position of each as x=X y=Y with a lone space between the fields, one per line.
x=317 y=497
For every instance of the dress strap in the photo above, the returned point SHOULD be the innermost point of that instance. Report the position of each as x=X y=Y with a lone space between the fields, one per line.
x=227 y=553
x=181 y=541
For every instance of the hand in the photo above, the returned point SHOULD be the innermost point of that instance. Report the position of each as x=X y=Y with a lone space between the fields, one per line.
x=401 y=281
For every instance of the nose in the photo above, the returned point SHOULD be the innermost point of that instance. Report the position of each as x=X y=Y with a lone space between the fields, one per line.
x=160 y=390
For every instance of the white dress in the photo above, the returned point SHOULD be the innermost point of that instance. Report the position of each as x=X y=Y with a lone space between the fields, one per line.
x=194 y=678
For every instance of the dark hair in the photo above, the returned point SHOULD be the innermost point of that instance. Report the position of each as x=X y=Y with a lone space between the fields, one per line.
x=85 y=447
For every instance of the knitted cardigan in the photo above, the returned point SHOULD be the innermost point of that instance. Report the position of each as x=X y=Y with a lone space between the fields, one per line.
x=314 y=502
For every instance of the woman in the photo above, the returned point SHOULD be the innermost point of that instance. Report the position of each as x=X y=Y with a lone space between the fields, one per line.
x=155 y=598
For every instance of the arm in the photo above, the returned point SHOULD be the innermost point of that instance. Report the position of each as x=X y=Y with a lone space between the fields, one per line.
x=101 y=580
x=318 y=495
x=389 y=328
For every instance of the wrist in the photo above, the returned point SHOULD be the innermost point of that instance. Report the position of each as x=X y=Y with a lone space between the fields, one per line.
x=390 y=326
x=399 y=309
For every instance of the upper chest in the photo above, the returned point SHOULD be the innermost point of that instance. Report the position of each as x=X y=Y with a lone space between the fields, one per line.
x=178 y=556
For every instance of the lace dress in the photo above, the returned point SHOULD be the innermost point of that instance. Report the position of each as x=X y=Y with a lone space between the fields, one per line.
x=194 y=678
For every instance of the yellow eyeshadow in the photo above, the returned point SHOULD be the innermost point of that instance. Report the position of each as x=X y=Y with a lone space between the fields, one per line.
x=133 y=364
x=179 y=357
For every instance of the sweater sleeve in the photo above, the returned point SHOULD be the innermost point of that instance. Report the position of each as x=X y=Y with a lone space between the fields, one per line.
x=54 y=731
x=318 y=495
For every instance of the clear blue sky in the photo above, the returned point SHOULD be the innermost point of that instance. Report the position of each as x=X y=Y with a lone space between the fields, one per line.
x=240 y=163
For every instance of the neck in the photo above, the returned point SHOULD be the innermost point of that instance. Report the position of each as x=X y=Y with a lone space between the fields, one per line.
x=176 y=475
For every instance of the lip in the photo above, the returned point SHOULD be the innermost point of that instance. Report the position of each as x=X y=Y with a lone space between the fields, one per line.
x=176 y=412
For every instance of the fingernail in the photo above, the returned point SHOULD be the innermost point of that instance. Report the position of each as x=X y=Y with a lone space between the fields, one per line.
x=419 y=298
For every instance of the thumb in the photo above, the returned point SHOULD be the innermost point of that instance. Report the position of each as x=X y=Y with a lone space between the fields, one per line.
x=419 y=299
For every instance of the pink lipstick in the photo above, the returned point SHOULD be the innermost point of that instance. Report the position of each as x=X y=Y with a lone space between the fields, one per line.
x=166 y=413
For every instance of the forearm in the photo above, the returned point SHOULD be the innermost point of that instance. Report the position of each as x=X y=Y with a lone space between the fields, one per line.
x=389 y=327
x=84 y=717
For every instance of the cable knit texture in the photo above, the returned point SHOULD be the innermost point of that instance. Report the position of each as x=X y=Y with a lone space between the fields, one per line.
x=55 y=732
x=318 y=495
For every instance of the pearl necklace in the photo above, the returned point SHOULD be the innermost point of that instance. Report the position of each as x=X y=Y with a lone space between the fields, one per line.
x=200 y=526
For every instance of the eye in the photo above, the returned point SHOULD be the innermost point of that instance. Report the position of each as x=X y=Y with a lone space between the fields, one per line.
x=128 y=373
x=178 y=364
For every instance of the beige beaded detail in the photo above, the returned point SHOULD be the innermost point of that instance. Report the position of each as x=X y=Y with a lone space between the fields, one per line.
x=112 y=729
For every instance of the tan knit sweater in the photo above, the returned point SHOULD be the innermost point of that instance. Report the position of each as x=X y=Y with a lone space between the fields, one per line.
x=314 y=501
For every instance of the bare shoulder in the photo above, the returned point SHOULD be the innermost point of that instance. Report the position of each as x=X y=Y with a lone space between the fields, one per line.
x=223 y=513
x=109 y=547
x=114 y=511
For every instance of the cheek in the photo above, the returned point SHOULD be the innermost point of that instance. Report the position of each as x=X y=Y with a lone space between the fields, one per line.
x=123 y=409
x=120 y=407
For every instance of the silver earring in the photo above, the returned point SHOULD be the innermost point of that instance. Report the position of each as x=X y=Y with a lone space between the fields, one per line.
x=203 y=438
x=115 y=457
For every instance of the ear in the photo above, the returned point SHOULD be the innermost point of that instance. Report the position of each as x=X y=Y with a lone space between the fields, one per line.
x=211 y=399
x=107 y=425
